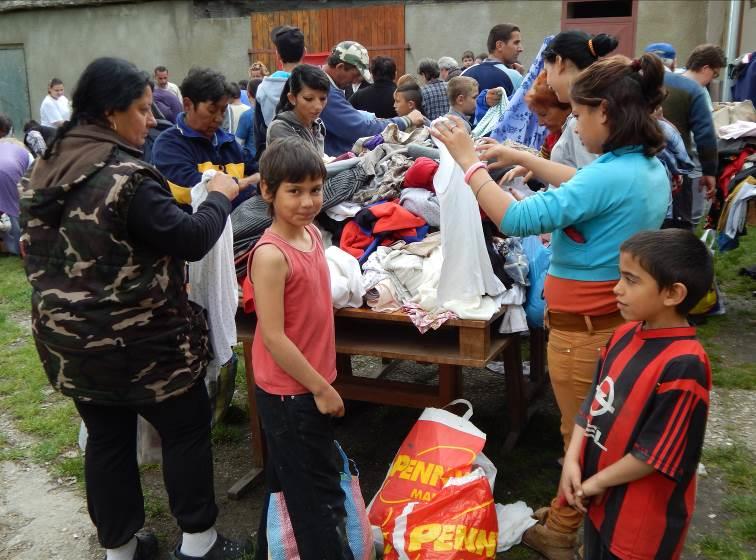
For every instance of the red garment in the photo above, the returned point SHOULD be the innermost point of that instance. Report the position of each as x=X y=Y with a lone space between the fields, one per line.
x=650 y=398
x=732 y=169
x=381 y=224
x=548 y=144
x=248 y=295
x=420 y=174
x=592 y=298
x=308 y=317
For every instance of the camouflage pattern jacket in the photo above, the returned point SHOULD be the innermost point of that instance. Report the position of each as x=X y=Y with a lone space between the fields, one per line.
x=111 y=319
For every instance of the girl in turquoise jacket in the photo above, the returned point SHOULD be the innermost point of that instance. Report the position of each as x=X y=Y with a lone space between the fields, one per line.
x=594 y=210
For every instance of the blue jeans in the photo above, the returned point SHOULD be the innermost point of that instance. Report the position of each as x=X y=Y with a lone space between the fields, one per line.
x=11 y=237
x=303 y=463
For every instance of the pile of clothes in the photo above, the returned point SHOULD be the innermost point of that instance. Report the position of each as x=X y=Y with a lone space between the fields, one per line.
x=404 y=233
x=736 y=129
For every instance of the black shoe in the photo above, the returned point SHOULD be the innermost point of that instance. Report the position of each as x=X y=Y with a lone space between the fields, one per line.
x=147 y=546
x=223 y=549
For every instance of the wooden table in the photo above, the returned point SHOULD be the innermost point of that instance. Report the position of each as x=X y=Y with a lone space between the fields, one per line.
x=392 y=336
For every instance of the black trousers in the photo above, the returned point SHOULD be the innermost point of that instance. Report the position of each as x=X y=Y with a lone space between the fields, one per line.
x=682 y=207
x=114 y=491
x=595 y=549
x=303 y=463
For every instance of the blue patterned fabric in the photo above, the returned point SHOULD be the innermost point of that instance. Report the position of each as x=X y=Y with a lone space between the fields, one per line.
x=518 y=122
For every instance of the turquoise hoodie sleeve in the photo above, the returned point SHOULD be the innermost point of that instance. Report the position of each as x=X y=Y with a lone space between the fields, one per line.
x=581 y=198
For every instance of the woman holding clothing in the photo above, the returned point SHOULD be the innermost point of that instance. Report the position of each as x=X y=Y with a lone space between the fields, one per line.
x=105 y=246
x=624 y=191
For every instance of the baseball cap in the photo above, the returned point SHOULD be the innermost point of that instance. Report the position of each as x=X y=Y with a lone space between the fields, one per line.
x=662 y=50
x=355 y=54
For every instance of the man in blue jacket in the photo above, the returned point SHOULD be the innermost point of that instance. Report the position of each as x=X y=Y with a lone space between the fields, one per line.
x=345 y=124
x=198 y=143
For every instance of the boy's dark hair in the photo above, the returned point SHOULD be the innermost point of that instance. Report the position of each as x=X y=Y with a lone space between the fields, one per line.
x=411 y=92
x=383 y=68
x=5 y=125
x=631 y=90
x=706 y=55
x=291 y=159
x=160 y=69
x=243 y=83
x=252 y=86
x=460 y=85
x=671 y=256
x=205 y=84
x=234 y=90
x=500 y=32
x=107 y=84
x=428 y=68
x=468 y=54
x=303 y=75
x=579 y=47
x=55 y=82
x=289 y=42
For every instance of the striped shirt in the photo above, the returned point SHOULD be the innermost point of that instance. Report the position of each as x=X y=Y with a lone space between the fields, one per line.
x=650 y=398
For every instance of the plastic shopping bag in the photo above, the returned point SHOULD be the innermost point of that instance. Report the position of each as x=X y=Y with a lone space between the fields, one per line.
x=458 y=523
x=282 y=544
x=440 y=446
x=149 y=446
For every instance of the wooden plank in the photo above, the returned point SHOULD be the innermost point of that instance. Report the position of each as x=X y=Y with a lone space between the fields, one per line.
x=437 y=348
x=250 y=479
x=399 y=317
x=474 y=342
x=382 y=391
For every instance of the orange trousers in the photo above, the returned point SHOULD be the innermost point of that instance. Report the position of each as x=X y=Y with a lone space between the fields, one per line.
x=572 y=358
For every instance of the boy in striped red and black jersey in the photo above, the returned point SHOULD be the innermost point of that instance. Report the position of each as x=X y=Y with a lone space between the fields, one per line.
x=631 y=464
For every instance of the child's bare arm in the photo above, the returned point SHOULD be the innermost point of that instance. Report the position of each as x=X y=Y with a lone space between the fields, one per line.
x=269 y=269
x=570 y=482
x=627 y=469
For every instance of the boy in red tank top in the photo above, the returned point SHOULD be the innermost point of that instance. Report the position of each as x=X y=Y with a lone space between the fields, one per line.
x=294 y=354
x=632 y=461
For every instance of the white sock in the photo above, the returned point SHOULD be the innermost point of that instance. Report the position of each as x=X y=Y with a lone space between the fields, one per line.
x=125 y=552
x=198 y=544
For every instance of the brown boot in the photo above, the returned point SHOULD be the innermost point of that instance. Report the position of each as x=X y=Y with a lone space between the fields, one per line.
x=541 y=514
x=549 y=543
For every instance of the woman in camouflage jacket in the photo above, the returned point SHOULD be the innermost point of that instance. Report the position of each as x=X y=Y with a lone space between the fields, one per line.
x=104 y=247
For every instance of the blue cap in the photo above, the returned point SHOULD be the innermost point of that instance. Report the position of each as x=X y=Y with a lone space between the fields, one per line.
x=662 y=50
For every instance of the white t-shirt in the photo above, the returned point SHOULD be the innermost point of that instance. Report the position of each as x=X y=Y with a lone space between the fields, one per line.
x=174 y=89
x=54 y=110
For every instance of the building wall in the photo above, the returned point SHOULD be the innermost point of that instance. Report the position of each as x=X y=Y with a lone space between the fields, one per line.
x=748 y=31
x=450 y=28
x=61 y=42
x=671 y=21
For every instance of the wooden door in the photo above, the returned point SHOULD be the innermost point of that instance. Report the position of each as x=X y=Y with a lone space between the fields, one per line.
x=379 y=28
x=615 y=17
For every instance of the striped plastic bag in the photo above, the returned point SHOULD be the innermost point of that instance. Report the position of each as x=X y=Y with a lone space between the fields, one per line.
x=282 y=544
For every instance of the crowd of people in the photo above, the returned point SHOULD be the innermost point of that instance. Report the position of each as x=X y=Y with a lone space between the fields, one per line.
x=622 y=176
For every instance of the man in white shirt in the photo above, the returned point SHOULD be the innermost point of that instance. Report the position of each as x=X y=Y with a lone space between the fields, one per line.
x=161 y=81
x=55 y=108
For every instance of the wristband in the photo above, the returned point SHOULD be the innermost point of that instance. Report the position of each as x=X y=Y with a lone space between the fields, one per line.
x=480 y=188
x=473 y=168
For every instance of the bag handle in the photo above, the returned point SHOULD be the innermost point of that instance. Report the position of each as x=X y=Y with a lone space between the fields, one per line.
x=467 y=415
x=709 y=238
x=346 y=461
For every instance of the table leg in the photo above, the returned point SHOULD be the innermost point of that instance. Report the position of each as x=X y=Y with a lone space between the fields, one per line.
x=517 y=398
x=449 y=383
x=255 y=428
x=538 y=355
